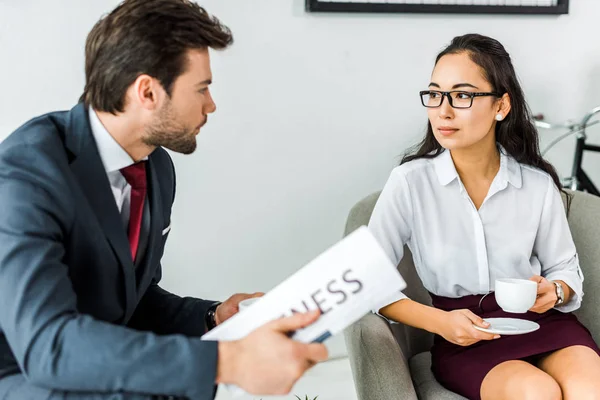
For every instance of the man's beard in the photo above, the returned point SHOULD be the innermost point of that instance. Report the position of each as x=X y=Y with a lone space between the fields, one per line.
x=166 y=132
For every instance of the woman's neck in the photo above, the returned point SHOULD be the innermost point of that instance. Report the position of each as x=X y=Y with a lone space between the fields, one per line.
x=480 y=161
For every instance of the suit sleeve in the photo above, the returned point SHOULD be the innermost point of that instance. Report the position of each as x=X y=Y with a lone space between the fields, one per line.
x=56 y=346
x=165 y=313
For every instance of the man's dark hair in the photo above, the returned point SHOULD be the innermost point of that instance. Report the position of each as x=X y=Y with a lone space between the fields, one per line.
x=145 y=37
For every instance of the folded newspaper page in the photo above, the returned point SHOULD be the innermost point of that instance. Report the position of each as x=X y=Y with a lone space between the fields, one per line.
x=345 y=282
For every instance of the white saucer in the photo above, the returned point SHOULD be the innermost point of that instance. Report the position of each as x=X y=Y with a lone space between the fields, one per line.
x=509 y=326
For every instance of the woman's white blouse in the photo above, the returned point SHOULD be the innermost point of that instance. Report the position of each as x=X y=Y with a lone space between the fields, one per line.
x=519 y=231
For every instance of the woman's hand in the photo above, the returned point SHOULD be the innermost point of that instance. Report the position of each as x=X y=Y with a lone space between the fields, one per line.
x=457 y=327
x=546 y=295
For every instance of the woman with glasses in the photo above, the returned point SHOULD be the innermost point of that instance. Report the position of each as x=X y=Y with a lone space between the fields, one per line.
x=475 y=202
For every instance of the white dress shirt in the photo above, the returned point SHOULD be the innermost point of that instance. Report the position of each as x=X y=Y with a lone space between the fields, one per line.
x=114 y=158
x=519 y=231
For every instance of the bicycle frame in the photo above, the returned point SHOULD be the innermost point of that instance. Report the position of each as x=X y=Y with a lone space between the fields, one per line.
x=579 y=179
x=582 y=181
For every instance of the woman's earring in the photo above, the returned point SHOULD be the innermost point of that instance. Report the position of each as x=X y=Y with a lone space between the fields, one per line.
x=499 y=117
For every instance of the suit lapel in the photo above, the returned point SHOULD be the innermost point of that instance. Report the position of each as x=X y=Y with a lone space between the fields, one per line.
x=91 y=175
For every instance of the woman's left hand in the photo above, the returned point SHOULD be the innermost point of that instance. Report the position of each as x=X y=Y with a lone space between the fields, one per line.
x=546 y=295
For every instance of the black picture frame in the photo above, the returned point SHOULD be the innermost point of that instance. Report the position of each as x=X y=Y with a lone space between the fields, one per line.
x=367 y=7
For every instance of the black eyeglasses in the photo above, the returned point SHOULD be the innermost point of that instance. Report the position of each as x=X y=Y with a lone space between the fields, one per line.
x=457 y=99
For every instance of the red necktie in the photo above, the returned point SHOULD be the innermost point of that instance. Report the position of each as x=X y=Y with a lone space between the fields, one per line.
x=135 y=175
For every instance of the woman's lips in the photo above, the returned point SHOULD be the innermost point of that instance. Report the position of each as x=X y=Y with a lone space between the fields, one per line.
x=446 y=130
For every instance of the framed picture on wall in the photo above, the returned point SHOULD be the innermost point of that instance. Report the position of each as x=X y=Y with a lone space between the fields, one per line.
x=441 y=6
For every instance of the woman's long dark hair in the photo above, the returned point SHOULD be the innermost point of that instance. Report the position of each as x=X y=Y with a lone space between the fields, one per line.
x=516 y=133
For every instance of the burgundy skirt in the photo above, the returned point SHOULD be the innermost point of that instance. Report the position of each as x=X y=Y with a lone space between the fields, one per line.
x=462 y=369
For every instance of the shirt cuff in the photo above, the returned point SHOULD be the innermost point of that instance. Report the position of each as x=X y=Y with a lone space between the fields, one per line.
x=575 y=282
x=396 y=297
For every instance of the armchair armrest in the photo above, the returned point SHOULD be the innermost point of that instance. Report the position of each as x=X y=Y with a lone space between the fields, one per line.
x=379 y=366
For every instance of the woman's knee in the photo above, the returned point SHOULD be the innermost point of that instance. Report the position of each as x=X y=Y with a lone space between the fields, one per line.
x=519 y=380
x=577 y=371
x=582 y=386
x=536 y=387
x=581 y=389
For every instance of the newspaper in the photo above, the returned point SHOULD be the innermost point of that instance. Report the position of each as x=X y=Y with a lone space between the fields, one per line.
x=345 y=282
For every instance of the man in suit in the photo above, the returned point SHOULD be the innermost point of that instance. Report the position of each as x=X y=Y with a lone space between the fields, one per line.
x=85 y=207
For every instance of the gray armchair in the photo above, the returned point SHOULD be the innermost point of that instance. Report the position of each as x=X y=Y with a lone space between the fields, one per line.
x=392 y=361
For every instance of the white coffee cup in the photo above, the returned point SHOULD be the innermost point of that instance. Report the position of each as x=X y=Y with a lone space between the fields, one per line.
x=247 y=303
x=515 y=295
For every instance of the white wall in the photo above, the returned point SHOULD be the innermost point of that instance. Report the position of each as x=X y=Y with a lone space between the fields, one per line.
x=313 y=112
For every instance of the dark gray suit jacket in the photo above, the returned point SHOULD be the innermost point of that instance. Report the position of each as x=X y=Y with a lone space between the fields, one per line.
x=75 y=314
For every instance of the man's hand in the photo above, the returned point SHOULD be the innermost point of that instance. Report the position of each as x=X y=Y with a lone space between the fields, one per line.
x=267 y=361
x=546 y=295
x=230 y=307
